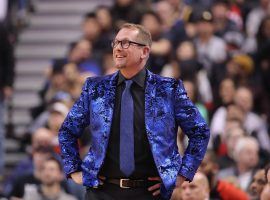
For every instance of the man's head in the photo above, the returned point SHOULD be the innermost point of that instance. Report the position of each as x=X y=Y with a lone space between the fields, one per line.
x=40 y=154
x=246 y=152
x=232 y=135
x=90 y=27
x=227 y=91
x=51 y=172
x=257 y=184
x=198 y=189
x=152 y=22
x=131 y=47
x=244 y=99
x=57 y=113
x=205 y=27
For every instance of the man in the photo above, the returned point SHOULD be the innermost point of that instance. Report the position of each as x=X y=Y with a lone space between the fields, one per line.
x=141 y=122
x=198 y=189
x=257 y=184
x=6 y=81
x=29 y=181
x=219 y=189
x=50 y=188
x=246 y=157
x=265 y=195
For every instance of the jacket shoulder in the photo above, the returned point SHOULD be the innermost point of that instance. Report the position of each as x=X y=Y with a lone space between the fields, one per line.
x=100 y=79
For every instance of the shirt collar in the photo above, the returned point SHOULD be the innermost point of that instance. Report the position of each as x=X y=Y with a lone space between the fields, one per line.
x=139 y=78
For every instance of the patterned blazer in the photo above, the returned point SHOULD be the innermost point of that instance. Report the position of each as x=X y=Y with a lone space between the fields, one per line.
x=166 y=107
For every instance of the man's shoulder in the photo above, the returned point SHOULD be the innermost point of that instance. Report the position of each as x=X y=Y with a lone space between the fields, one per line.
x=100 y=79
x=162 y=79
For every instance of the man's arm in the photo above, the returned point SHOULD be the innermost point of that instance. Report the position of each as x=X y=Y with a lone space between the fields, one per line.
x=195 y=127
x=72 y=128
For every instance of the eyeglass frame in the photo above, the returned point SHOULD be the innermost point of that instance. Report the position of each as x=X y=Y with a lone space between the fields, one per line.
x=114 y=43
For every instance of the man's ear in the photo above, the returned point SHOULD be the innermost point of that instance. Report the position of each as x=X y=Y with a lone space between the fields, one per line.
x=145 y=52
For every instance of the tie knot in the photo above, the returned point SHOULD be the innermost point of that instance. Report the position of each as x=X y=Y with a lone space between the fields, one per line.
x=128 y=83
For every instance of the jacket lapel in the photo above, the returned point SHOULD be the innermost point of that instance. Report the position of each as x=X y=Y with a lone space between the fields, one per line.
x=150 y=101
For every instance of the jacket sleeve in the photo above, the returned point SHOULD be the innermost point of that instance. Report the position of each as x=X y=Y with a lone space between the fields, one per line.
x=196 y=129
x=72 y=128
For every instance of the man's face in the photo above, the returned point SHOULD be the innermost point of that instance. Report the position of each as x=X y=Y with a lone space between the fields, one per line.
x=51 y=173
x=129 y=58
x=196 y=190
x=205 y=28
x=257 y=184
x=248 y=156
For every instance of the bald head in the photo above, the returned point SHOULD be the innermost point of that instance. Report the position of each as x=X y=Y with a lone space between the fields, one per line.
x=198 y=189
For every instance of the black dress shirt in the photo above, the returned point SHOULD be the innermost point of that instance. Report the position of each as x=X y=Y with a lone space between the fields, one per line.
x=144 y=162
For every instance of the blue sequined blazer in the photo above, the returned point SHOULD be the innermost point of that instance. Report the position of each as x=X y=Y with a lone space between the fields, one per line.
x=166 y=107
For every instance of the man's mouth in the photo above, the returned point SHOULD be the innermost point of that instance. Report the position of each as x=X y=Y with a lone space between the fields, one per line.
x=119 y=56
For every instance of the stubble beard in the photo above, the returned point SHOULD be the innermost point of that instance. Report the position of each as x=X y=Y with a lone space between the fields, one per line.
x=120 y=66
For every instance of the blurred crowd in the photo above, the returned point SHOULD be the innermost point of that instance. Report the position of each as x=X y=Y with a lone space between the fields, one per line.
x=221 y=51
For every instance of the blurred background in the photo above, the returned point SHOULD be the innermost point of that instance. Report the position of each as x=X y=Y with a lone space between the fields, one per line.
x=219 y=48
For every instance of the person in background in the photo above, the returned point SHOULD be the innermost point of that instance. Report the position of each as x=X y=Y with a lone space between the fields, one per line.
x=198 y=189
x=265 y=195
x=257 y=185
x=219 y=189
x=246 y=156
x=50 y=187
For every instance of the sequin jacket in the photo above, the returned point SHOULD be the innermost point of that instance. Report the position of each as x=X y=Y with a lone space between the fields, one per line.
x=166 y=107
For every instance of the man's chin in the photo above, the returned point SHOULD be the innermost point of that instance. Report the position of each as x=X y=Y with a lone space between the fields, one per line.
x=120 y=66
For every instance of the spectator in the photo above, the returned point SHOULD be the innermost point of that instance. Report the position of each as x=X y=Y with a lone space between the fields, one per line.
x=161 y=46
x=30 y=181
x=253 y=123
x=74 y=79
x=229 y=140
x=253 y=22
x=240 y=68
x=167 y=14
x=127 y=11
x=263 y=35
x=265 y=195
x=207 y=44
x=50 y=187
x=257 y=184
x=255 y=17
x=104 y=18
x=219 y=189
x=82 y=55
x=222 y=23
x=186 y=67
x=198 y=189
x=40 y=121
x=193 y=95
x=246 y=156
x=41 y=140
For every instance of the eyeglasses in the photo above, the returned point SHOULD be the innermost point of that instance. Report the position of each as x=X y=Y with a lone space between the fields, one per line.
x=125 y=43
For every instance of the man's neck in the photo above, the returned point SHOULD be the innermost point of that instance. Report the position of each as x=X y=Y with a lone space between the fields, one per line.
x=128 y=73
x=51 y=190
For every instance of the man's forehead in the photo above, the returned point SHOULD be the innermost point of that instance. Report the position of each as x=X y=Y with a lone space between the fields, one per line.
x=126 y=33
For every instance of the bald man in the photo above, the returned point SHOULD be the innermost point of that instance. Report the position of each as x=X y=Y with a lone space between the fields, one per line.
x=198 y=189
